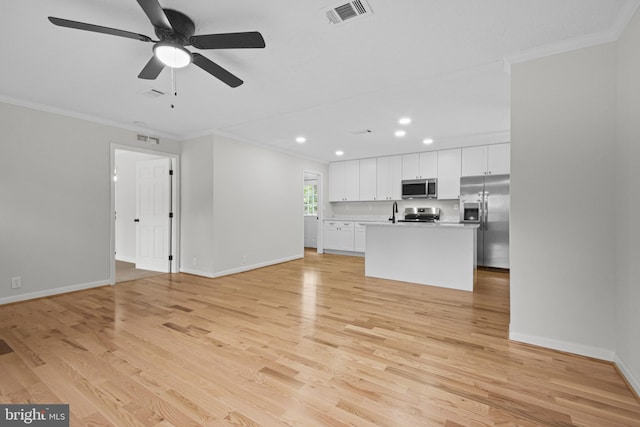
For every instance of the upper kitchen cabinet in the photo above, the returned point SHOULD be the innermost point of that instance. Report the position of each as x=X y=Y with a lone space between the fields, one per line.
x=449 y=172
x=389 y=173
x=344 y=181
x=368 y=179
x=486 y=160
x=499 y=159
x=420 y=165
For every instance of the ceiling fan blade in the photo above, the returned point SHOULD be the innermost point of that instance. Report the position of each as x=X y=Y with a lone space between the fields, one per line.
x=98 y=29
x=156 y=14
x=251 y=39
x=216 y=71
x=152 y=70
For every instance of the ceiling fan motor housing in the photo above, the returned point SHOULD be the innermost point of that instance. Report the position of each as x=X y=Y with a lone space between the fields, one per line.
x=183 y=28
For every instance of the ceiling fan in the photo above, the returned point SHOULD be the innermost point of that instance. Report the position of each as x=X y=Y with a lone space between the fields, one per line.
x=175 y=30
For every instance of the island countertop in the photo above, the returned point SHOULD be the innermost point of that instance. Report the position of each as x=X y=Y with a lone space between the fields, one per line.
x=423 y=224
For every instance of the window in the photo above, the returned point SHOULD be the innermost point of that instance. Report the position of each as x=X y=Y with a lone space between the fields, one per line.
x=310 y=199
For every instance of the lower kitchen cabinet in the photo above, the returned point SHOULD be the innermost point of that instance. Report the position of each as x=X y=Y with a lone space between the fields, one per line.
x=359 y=241
x=339 y=235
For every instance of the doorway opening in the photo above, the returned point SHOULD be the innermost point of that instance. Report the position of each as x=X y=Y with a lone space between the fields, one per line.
x=312 y=210
x=144 y=200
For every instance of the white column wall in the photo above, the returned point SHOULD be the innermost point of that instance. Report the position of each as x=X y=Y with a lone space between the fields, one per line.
x=563 y=112
x=627 y=204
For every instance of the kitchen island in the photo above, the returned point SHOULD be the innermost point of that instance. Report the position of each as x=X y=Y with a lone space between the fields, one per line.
x=437 y=254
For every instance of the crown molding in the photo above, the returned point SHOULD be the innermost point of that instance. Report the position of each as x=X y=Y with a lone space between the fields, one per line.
x=86 y=117
x=611 y=35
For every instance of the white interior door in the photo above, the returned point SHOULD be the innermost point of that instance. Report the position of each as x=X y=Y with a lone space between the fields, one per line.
x=153 y=204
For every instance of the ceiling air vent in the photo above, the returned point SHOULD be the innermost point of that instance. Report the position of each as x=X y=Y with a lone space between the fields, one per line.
x=361 y=132
x=149 y=139
x=152 y=93
x=342 y=12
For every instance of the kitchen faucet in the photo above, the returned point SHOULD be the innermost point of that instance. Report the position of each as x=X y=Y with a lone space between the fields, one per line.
x=394 y=210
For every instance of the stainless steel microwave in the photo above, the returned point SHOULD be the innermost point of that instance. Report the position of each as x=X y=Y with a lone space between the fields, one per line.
x=420 y=188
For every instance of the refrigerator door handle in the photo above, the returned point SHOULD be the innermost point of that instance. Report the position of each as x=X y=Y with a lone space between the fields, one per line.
x=486 y=211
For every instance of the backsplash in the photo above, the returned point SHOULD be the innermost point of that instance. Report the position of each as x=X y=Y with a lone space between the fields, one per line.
x=382 y=210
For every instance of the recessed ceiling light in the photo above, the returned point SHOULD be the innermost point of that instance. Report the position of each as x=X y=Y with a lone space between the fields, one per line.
x=339 y=153
x=428 y=141
x=404 y=121
x=301 y=139
x=400 y=133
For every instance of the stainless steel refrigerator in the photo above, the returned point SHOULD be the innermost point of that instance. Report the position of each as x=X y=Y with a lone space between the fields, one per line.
x=484 y=200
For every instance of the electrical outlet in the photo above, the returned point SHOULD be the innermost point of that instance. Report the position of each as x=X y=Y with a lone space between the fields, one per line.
x=16 y=282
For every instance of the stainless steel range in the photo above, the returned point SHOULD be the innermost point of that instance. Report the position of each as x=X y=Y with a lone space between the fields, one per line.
x=421 y=215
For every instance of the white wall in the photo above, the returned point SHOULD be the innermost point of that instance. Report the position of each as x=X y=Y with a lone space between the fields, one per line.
x=196 y=210
x=55 y=183
x=563 y=128
x=627 y=204
x=242 y=206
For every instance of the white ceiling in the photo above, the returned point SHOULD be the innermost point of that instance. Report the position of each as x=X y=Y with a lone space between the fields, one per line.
x=440 y=62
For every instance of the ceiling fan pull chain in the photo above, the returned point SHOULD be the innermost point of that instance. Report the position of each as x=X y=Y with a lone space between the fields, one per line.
x=173 y=84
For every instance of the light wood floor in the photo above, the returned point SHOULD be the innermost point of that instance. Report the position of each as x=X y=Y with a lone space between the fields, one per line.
x=306 y=343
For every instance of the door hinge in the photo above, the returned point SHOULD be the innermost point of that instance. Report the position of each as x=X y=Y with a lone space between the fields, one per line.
x=170 y=171
x=170 y=214
x=170 y=257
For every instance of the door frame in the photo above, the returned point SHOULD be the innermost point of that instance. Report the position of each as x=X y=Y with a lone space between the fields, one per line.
x=175 y=232
x=320 y=242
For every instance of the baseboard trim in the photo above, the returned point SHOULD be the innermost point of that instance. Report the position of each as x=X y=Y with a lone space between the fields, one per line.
x=566 y=346
x=197 y=272
x=54 y=291
x=348 y=253
x=625 y=372
x=240 y=269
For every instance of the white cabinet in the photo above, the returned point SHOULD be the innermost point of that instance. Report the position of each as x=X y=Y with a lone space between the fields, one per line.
x=486 y=160
x=359 y=241
x=368 y=179
x=474 y=161
x=338 y=235
x=389 y=173
x=499 y=159
x=420 y=165
x=449 y=169
x=344 y=181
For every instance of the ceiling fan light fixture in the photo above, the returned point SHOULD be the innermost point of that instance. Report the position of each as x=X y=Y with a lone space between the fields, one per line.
x=172 y=55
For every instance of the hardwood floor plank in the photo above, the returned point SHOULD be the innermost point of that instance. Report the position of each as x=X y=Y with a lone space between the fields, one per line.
x=311 y=342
